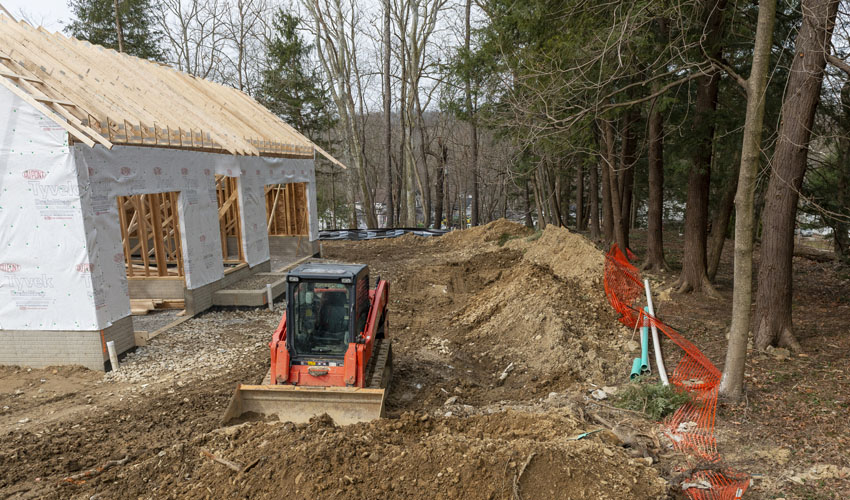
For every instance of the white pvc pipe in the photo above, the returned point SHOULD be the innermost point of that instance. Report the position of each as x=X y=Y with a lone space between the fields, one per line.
x=269 y=296
x=656 y=345
x=113 y=355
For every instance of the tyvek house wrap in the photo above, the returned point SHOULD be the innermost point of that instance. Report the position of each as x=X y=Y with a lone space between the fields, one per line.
x=45 y=272
x=65 y=269
x=129 y=170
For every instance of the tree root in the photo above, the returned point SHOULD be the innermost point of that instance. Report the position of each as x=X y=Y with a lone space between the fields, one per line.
x=652 y=266
x=519 y=474
x=705 y=287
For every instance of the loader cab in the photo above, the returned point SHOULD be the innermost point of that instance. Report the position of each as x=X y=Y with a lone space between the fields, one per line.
x=327 y=308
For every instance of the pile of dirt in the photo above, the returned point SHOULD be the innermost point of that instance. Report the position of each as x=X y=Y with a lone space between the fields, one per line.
x=568 y=255
x=550 y=326
x=487 y=233
x=415 y=456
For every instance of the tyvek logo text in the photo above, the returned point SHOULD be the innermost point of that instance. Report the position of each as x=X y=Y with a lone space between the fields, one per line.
x=44 y=190
x=21 y=283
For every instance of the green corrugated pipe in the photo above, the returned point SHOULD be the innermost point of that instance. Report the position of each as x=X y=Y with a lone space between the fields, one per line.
x=644 y=345
x=635 y=369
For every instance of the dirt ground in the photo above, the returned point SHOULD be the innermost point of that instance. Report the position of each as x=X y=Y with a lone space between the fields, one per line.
x=498 y=335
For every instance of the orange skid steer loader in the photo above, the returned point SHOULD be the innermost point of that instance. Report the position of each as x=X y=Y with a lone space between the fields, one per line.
x=329 y=353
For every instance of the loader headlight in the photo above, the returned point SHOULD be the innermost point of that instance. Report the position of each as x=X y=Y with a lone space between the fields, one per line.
x=293 y=278
x=347 y=281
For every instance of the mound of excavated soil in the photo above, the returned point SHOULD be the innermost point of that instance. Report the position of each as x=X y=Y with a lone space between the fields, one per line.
x=487 y=233
x=414 y=456
x=568 y=255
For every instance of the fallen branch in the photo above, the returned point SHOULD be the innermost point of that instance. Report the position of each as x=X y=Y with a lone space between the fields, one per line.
x=78 y=478
x=227 y=463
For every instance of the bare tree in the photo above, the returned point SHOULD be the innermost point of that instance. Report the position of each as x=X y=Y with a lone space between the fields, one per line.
x=245 y=30
x=196 y=34
x=388 y=121
x=417 y=21
x=732 y=382
x=335 y=26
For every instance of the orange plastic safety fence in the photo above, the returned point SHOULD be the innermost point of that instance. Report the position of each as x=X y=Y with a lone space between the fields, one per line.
x=622 y=285
x=691 y=428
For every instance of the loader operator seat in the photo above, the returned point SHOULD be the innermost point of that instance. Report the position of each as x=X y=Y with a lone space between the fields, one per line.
x=333 y=317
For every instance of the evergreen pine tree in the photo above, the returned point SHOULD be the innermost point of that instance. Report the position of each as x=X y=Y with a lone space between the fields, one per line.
x=290 y=90
x=94 y=20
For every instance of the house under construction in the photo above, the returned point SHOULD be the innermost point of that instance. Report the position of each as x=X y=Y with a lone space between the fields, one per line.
x=122 y=178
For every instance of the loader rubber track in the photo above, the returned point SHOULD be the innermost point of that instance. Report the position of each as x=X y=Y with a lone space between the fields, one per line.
x=383 y=357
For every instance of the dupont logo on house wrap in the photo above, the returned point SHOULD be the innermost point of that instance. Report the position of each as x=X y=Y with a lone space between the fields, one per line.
x=157 y=171
x=8 y=267
x=207 y=171
x=125 y=171
x=118 y=257
x=84 y=268
x=229 y=172
x=34 y=174
x=203 y=238
x=184 y=171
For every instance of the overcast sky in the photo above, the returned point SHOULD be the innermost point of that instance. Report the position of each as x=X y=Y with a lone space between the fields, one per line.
x=49 y=13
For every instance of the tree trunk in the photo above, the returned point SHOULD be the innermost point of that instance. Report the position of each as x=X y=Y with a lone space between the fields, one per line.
x=438 y=187
x=119 y=30
x=388 y=122
x=654 y=237
x=655 y=209
x=720 y=225
x=594 y=202
x=473 y=129
x=773 y=325
x=628 y=149
x=423 y=152
x=529 y=222
x=607 y=207
x=840 y=228
x=538 y=201
x=694 y=277
x=580 y=197
x=732 y=382
x=353 y=182
x=617 y=221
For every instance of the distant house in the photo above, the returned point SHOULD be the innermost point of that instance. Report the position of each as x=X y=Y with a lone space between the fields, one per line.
x=122 y=178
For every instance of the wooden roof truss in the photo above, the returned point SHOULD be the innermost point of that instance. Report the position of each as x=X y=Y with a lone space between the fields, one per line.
x=100 y=96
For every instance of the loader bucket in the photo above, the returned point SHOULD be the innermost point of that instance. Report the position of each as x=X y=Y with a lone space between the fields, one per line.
x=345 y=405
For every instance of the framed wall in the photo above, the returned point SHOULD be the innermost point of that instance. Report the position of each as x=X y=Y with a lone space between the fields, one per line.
x=286 y=209
x=150 y=235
